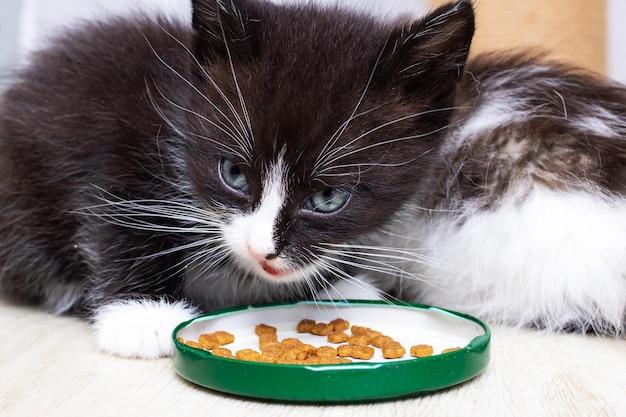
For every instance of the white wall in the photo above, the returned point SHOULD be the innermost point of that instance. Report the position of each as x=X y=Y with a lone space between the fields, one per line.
x=9 y=27
x=24 y=23
x=39 y=18
x=616 y=39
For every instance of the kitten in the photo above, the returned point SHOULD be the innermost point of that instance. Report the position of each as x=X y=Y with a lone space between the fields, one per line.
x=150 y=170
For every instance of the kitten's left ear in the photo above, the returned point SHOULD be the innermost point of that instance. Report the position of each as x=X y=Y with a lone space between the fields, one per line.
x=430 y=53
x=225 y=27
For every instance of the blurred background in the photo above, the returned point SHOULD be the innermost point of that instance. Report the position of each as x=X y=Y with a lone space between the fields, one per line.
x=590 y=33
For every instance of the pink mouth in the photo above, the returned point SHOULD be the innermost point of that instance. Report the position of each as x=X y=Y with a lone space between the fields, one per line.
x=273 y=271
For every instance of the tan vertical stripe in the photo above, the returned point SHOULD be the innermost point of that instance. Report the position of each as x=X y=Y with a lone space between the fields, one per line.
x=572 y=30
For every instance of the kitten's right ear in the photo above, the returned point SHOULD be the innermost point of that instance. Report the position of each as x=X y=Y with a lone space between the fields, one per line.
x=225 y=28
x=427 y=56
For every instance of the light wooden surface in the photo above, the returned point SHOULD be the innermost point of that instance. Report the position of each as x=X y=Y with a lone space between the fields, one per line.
x=50 y=367
x=574 y=31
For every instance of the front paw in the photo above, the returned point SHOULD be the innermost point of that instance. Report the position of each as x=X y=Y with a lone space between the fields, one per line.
x=139 y=328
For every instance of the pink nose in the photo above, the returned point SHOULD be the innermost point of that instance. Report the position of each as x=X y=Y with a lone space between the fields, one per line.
x=260 y=256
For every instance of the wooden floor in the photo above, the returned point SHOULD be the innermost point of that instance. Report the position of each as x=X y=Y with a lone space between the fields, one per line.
x=51 y=367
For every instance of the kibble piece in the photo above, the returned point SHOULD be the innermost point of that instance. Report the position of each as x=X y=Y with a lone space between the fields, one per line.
x=326 y=352
x=224 y=338
x=308 y=348
x=380 y=341
x=289 y=355
x=291 y=342
x=208 y=341
x=337 y=337
x=273 y=349
x=340 y=325
x=360 y=330
x=285 y=361
x=345 y=350
x=393 y=350
x=222 y=352
x=360 y=340
x=421 y=351
x=362 y=352
x=313 y=360
x=374 y=333
x=264 y=329
x=321 y=329
x=268 y=338
x=266 y=358
x=194 y=344
x=305 y=325
x=212 y=340
x=365 y=331
x=450 y=350
x=263 y=342
x=306 y=351
x=247 y=354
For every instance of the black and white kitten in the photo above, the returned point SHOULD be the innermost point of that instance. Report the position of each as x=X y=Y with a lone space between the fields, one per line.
x=151 y=169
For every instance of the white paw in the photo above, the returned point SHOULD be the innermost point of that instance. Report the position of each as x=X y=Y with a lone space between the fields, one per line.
x=139 y=328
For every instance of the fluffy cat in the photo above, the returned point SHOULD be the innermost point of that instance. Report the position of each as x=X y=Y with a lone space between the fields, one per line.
x=152 y=169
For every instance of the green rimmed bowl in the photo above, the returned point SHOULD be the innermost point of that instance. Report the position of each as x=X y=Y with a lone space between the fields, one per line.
x=373 y=380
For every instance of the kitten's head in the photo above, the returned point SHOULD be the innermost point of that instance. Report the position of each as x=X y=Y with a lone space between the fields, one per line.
x=313 y=126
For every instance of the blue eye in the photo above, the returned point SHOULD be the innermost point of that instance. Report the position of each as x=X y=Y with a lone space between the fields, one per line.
x=233 y=176
x=327 y=201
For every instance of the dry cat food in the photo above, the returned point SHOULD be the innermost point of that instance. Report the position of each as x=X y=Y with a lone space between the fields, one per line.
x=421 y=351
x=361 y=343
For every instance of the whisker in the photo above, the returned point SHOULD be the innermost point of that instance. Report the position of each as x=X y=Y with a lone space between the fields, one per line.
x=129 y=211
x=208 y=260
x=321 y=160
x=365 y=262
x=398 y=254
x=186 y=262
x=353 y=280
x=381 y=268
x=318 y=276
x=239 y=93
x=185 y=133
x=335 y=155
x=344 y=276
x=245 y=142
x=322 y=173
